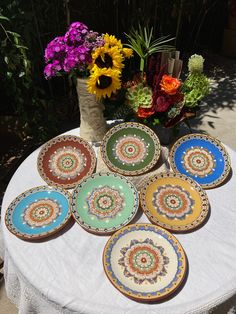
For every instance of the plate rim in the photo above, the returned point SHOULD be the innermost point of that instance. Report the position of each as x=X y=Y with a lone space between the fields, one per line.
x=172 y=237
x=104 y=231
x=21 y=196
x=49 y=144
x=205 y=208
x=213 y=140
x=107 y=162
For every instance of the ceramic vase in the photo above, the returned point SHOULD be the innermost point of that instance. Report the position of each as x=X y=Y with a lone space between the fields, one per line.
x=93 y=125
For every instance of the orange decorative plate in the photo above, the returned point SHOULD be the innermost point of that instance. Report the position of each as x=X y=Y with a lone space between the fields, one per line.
x=174 y=201
x=144 y=262
x=65 y=160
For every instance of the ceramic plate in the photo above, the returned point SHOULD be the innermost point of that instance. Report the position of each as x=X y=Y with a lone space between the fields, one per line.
x=38 y=212
x=130 y=148
x=202 y=158
x=65 y=161
x=104 y=202
x=174 y=201
x=144 y=262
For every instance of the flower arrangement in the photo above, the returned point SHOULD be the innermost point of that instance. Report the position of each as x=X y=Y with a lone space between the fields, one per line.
x=85 y=53
x=157 y=95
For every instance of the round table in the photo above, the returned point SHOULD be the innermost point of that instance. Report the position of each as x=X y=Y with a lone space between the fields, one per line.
x=64 y=273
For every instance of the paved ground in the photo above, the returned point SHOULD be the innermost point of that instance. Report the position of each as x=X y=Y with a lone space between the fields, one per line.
x=218 y=118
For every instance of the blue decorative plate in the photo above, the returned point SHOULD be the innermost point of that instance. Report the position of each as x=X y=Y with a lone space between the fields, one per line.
x=144 y=262
x=104 y=202
x=38 y=212
x=201 y=157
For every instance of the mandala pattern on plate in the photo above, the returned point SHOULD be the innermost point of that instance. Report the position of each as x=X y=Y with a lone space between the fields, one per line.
x=172 y=202
x=199 y=162
x=143 y=261
x=105 y=202
x=67 y=163
x=41 y=212
x=130 y=149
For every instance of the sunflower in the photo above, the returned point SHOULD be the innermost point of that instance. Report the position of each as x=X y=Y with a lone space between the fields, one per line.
x=127 y=52
x=112 y=41
x=104 y=57
x=103 y=82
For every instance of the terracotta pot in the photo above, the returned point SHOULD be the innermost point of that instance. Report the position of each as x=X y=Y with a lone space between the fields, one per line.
x=93 y=125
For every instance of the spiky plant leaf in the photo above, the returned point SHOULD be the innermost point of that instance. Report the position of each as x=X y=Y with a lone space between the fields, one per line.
x=141 y=42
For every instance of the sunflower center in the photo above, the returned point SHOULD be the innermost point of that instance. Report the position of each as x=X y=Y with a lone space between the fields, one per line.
x=105 y=62
x=104 y=81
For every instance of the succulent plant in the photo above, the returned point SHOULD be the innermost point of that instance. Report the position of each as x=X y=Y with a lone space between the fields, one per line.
x=195 y=64
x=197 y=85
x=195 y=88
x=139 y=96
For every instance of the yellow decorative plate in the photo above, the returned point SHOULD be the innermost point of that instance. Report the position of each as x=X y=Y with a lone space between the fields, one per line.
x=174 y=201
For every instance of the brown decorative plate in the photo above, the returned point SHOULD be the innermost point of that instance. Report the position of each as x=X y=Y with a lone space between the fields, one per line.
x=174 y=201
x=65 y=160
x=130 y=148
x=144 y=262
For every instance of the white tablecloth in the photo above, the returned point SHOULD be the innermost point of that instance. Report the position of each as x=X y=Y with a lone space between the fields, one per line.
x=64 y=273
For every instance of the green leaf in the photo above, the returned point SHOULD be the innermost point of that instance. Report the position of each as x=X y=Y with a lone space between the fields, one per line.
x=9 y=75
x=13 y=34
x=141 y=42
x=156 y=121
x=21 y=47
x=4 y=18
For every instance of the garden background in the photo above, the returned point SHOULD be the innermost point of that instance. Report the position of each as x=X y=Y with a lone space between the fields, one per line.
x=34 y=109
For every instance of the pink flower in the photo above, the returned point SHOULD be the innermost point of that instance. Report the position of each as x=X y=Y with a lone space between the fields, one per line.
x=52 y=69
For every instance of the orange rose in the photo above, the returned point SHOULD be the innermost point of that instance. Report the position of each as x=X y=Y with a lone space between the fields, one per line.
x=169 y=84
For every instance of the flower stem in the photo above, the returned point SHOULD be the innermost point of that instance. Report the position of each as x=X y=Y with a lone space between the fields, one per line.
x=142 y=65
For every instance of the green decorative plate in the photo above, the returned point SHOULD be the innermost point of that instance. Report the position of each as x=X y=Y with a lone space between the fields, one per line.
x=130 y=148
x=104 y=202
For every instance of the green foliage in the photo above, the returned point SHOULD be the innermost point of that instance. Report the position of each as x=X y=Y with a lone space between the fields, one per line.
x=195 y=88
x=142 y=42
x=27 y=99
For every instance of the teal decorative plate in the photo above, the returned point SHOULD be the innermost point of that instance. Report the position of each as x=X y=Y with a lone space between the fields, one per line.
x=130 y=148
x=202 y=158
x=38 y=212
x=144 y=262
x=104 y=202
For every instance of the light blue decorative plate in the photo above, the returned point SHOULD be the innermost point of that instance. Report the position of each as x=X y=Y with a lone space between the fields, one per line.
x=201 y=157
x=38 y=212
